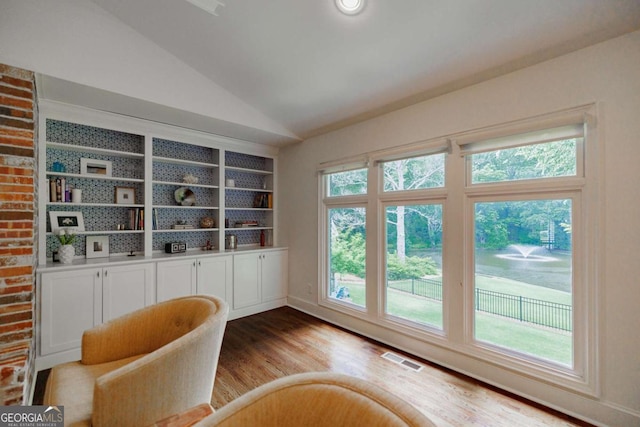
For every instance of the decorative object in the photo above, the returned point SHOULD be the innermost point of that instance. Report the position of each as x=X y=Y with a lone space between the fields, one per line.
x=190 y=179
x=70 y=221
x=207 y=222
x=175 y=247
x=58 y=167
x=97 y=246
x=231 y=241
x=66 y=254
x=185 y=196
x=125 y=195
x=66 y=251
x=230 y=182
x=95 y=167
x=76 y=195
x=208 y=246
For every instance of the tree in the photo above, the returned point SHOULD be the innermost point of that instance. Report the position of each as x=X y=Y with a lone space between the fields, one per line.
x=412 y=174
x=347 y=234
x=498 y=224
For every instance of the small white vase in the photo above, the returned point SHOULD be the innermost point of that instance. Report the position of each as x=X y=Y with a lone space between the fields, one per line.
x=66 y=254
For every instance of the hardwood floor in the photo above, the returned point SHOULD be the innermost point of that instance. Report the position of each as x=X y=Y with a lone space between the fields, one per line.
x=260 y=348
x=270 y=345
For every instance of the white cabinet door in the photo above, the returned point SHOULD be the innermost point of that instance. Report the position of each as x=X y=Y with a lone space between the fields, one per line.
x=274 y=275
x=215 y=276
x=71 y=302
x=175 y=279
x=126 y=288
x=246 y=280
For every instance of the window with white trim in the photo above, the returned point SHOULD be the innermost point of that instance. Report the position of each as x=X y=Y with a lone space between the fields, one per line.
x=525 y=192
x=413 y=205
x=522 y=200
x=344 y=233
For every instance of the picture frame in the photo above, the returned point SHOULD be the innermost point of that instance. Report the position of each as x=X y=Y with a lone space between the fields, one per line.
x=97 y=247
x=95 y=167
x=125 y=195
x=70 y=221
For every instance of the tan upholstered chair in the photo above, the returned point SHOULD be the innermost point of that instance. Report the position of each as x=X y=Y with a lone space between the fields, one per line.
x=143 y=366
x=317 y=399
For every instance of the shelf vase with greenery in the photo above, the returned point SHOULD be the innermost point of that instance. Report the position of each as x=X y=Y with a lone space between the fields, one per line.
x=66 y=252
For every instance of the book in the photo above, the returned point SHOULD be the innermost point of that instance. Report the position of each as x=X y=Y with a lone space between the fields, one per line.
x=181 y=227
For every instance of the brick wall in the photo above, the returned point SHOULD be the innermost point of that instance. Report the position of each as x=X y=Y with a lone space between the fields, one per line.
x=18 y=234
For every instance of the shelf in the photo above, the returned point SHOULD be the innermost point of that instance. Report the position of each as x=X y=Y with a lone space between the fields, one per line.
x=85 y=149
x=248 y=209
x=96 y=176
x=108 y=205
x=184 y=184
x=247 y=228
x=245 y=170
x=93 y=233
x=189 y=230
x=185 y=207
x=254 y=190
x=184 y=162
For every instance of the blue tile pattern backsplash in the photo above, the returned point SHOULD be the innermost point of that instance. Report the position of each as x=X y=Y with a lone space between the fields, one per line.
x=168 y=172
x=182 y=151
x=247 y=161
x=90 y=136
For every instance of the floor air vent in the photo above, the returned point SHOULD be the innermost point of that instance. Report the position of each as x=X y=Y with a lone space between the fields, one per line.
x=414 y=366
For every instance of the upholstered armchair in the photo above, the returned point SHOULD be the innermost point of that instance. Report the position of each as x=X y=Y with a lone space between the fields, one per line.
x=143 y=366
x=317 y=399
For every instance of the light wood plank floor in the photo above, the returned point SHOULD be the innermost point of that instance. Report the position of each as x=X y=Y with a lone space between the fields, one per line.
x=270 y=345
x=260 y=348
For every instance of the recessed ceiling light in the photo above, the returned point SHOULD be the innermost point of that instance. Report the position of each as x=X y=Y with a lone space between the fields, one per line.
x=350 y=7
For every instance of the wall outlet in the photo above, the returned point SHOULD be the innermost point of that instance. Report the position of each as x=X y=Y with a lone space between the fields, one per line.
x=309 y=289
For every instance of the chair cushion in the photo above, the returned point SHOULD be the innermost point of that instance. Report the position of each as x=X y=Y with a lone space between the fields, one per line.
x=71 y=385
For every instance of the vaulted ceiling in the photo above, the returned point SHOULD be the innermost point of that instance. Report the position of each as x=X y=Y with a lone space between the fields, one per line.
x=312 y=69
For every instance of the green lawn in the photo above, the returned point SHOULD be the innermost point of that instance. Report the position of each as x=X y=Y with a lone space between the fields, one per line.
x=538 y=341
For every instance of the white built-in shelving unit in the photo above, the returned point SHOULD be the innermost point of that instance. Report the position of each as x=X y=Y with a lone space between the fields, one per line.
x=153 y=159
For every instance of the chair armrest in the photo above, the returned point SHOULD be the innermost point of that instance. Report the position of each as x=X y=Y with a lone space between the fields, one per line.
x=148 y=329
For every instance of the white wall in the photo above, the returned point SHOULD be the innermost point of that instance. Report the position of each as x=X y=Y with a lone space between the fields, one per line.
x=609 y=74
x=78 y=41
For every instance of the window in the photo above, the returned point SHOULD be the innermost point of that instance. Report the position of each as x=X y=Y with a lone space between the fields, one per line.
x=347 y=260
x=487 y=245
x=413 y=288
x=414 y=173
x=523 y=277
x=553 y=159
x=347 y=183
x=344 y=231
x=523 y=241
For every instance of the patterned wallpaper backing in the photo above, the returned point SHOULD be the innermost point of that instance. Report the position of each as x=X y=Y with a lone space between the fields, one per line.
x=96 y=191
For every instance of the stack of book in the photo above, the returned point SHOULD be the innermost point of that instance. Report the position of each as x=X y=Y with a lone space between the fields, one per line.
x=181 y=227
x=59 y=190
x=263 y=201
x=136 y=219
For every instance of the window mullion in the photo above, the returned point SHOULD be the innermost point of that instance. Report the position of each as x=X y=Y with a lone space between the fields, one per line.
x=374 y=242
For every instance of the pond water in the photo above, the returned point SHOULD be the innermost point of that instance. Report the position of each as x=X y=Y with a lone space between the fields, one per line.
x=551 y=269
